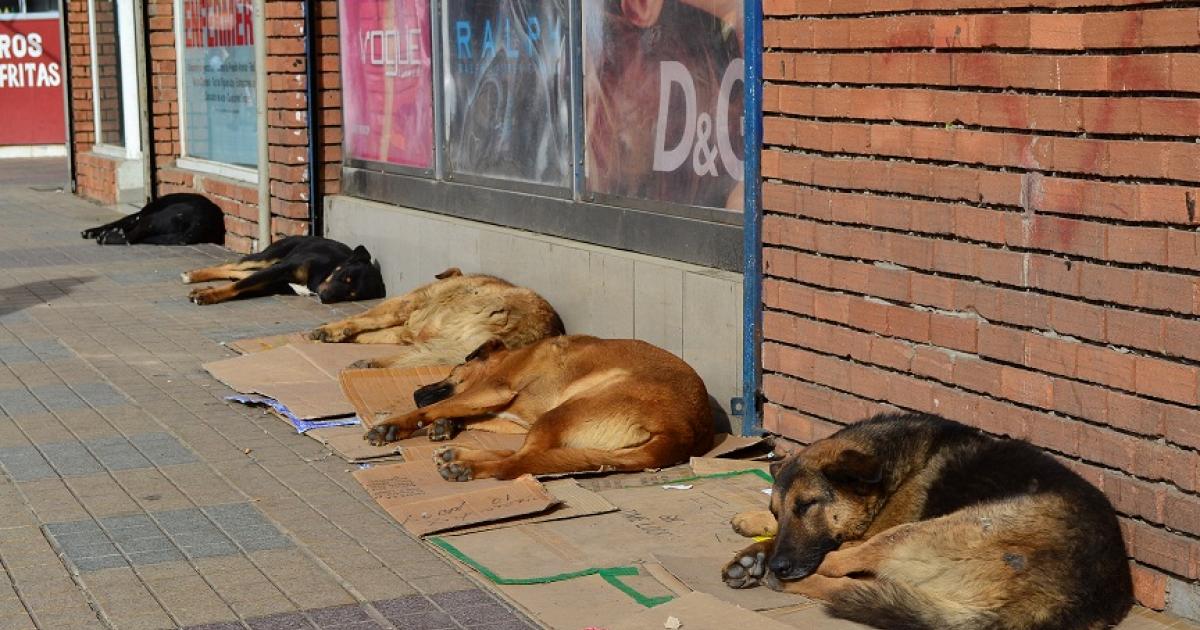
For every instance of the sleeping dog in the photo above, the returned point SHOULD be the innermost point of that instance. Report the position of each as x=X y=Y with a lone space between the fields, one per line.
x=300 y=264
x=175 y=219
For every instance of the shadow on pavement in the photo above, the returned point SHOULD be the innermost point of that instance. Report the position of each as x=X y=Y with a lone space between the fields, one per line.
x=22 y=296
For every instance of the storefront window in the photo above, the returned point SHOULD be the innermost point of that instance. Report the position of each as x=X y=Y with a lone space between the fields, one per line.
x=663 y=100
x=218 y=81
x=507 y=82
x=387 y=81
x=613 y=122
x=107 y=51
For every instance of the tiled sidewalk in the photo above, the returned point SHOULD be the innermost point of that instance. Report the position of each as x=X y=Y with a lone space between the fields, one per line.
x=132 y=496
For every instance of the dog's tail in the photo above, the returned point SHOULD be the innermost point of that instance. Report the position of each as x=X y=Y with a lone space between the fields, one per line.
x=889 y=604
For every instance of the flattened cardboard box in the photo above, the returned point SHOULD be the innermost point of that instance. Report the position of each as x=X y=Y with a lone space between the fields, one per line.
x=422 y=502
x=303 y=377
x=258 y=344
x=698 y=611
x=379 y=393
x=652 y=521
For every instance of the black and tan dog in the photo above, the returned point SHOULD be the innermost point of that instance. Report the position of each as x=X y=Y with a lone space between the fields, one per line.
x=914 y=522
x=584 y=403
x=175 y=219
x=300 y=264
x=443 y=321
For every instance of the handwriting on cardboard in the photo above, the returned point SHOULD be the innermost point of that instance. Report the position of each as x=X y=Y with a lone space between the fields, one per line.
x=418 y=498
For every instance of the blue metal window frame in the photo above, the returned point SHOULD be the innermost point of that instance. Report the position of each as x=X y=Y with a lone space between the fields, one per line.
x=752 y=222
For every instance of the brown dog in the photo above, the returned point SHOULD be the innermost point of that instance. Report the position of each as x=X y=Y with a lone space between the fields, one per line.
x=913 y=521
x=585 y=403
x=442 y=322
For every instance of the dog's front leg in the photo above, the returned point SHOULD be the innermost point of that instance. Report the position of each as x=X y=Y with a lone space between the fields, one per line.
x=476 y=402
x=391 y=313
x=755 y=523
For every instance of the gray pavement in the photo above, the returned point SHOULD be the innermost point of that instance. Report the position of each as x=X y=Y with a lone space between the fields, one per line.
x=133 y=496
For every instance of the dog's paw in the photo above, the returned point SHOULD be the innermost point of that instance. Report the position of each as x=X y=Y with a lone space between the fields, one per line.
x=329 y=335
x=747 y=569
x=186 y=277
x=756 y=523
x=204 y=295
x=448 y=465
x=444 y=429
x=364 y=364
x=382 y=434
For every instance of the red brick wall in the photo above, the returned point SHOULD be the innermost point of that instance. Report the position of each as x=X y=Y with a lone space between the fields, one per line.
x=287 y=118
x=992 y=215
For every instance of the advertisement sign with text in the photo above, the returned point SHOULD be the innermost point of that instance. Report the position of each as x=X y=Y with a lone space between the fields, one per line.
x=507 y=86
x=387 y=81
x=31 y=82
x=663 y=100
x=218 y=81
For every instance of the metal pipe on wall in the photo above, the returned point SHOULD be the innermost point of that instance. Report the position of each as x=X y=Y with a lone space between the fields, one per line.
x=264 y=164
x=752 y=221
x=311 y=59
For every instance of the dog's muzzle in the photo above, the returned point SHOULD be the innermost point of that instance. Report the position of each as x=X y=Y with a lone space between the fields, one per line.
x=429 y=394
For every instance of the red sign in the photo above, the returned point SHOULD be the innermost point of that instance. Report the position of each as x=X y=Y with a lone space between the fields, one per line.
x=31 y=82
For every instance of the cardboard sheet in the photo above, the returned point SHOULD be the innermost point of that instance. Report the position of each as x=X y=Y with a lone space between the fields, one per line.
x=379 y=393
x=303 y=377
x=726 y=445
x=698 y=611
x=704 y=574
x=586 y=602
x=422 y=502
x=573 y=501
x=652 y=520
x=258 y=344
x=711 y=465
x=421 y=448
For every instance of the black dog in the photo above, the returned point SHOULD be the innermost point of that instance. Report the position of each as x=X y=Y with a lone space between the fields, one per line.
x=303 y=264
x=175 y=219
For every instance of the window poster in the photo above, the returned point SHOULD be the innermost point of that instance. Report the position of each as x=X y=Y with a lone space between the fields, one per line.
x=387 y=81
x=31 y=81
x=220 y=110
x=663 y=100
x=507 y=89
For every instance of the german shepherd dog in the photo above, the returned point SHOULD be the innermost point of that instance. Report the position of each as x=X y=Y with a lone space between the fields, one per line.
x=915 y=522
x=584 y=404
x=442 y=322
x=300 y=264
x=175 y=219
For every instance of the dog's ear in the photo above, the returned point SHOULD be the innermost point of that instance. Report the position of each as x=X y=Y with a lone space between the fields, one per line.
x=452 y=272
x=776 y=466
x=854 y=468
x=488 y=347
x=360 y=253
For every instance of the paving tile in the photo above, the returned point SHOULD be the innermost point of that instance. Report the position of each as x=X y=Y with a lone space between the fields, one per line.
x=424 y=621
x=287 y=621
x=25 y=463
x=338 y=616
x=70 y=458
x=162 y=449
x=401 y=606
